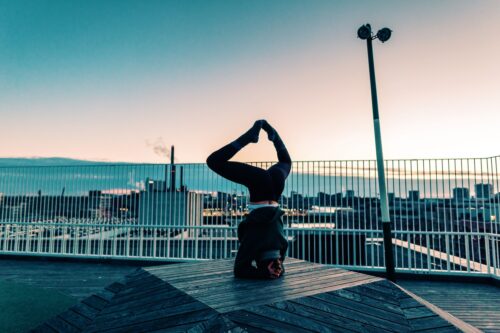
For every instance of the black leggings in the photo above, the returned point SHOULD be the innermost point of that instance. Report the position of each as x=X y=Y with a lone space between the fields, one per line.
x=262 y=184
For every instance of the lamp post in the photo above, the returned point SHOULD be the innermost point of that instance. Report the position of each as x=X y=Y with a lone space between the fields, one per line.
x=365 y=32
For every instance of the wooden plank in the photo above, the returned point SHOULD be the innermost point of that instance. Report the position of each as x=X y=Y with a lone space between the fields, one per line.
x=149 y=287
x=177 y=314
x=149 y=292
x=217 y=324
x=357 y=306
x=443 y=314
x=348 y=314
x=292 y=318
x=350 y=293
x=199 y=267
x=242 y=286
x=330 y=320
x=229 y=280
x=75 y=319
x=85 y=310
x=473 y=303
x=184 y=278
x=272 y=288
x=408 y=303
x=169 y=270
x=105 y=295
x=299 y=292
x=179 y=274
x=418 y=312
x=62 y=326
x=95 y=302
x=187 y=264
x=71 y=278
x=428 y=323
x=388 y=322
x=131 y=282
x=375 y=295
x=259 y=322
x=115 y=287
x=206 y=267
x=160 y=323
x=209 y=326
x=163 y=297
x=449 y=329
x=190 y=265
x=279 y=285
x=152 y=306
x=391 y=292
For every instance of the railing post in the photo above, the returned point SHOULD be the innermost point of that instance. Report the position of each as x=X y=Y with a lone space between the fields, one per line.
x=467 y=252
x=447 y=246
x=225 y=243
x=494 y=253
x=428 y=246
x=487 y=250
x=29 y=229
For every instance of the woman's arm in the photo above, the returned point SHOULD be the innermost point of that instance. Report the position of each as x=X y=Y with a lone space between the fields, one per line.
x=243 y=267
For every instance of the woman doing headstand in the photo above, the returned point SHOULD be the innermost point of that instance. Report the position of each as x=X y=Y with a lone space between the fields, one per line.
x=261 y=233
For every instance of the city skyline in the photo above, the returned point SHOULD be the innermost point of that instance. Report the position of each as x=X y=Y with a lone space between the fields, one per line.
x=105 y=80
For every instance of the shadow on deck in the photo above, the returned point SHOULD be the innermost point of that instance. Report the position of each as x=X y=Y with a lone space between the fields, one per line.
x=204 y=296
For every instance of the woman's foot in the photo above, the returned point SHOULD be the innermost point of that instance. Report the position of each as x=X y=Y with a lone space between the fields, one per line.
x=271 y=132
x=253 y=133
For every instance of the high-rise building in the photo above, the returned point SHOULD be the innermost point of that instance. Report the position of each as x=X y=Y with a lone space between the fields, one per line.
x=484 y=191
x=461 y=193
x=159 y=207
x=414 y=195
x=349 y=194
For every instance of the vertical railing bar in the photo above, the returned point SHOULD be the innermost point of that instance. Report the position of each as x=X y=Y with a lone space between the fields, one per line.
x=451 y=209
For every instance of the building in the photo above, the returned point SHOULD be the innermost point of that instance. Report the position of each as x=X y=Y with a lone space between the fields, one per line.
x=414 y=195
x=349 y=194
x=461 y=193
x=484 y=191
x=158 y=207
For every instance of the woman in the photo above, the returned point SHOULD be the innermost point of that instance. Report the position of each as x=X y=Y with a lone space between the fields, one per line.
x=261 y=233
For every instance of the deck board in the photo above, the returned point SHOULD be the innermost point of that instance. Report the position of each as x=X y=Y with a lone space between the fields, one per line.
x=322 y=317
x=476 y=304
x=76 y=279
x=205 y=296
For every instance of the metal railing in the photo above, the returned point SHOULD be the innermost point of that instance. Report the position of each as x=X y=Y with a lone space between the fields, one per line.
x=444 y=212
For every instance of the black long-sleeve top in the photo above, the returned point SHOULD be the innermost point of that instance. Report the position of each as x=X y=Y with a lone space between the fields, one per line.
x=260 y=232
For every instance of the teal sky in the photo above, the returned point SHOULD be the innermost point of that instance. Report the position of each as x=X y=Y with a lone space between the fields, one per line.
x=108 y=80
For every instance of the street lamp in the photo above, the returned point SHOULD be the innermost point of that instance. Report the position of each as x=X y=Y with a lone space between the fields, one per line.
x=365 y=32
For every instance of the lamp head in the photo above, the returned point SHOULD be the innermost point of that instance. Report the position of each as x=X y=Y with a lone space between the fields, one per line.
x=365 y=31
x=384 y=34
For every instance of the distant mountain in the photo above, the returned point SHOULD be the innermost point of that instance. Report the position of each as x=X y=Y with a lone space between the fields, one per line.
x=48 y=161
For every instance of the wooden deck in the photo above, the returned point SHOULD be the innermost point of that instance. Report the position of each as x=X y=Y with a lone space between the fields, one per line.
x=76 y=279
x=199 y=297
x=476 y=304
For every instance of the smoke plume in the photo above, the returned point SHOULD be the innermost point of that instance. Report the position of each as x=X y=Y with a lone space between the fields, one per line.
x=160 y=148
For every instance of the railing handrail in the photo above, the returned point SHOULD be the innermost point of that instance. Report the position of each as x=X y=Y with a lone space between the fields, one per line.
x=222 y=227
x=122 y=164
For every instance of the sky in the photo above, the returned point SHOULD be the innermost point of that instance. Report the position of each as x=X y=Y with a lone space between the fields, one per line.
x=124 y=80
